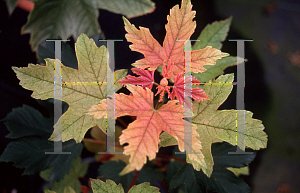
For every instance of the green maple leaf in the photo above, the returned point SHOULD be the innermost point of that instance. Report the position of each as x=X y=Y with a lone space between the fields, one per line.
x=130 y=9
x=70 y=181
x=213 y=34
x=31 y=131
x=92 y=67
x=221 y=125
x=111 y=169
x=67 y=189
x=222 y=180
x=213 y=124
x=110 y=186
x=65 y=18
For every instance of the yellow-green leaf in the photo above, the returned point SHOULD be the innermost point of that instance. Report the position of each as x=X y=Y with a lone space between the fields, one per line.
x=110 y=186
x=98 y=186
x=92 y=68
x=213 y=124
x=239 y=171
x=144 y=187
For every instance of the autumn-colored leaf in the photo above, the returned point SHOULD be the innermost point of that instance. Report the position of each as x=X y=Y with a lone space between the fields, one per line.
x=142 y=135
x=179 y=29
x=146 y=78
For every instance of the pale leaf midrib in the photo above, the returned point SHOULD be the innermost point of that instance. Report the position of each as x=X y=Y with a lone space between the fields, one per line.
x=218 y=31
x=63 y=86
x=222 y=128
x=144 y=41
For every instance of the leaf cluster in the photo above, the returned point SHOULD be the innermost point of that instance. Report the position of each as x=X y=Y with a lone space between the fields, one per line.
x=204 y=163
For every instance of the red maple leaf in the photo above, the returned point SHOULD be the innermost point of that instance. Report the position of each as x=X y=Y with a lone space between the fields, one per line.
x=178 y=89
x=146 y=78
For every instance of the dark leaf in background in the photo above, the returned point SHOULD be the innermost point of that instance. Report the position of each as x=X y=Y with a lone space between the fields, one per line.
x=32 y=130
x=222 y=180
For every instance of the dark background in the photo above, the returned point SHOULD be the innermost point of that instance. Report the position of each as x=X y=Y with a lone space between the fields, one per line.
x=272 y=82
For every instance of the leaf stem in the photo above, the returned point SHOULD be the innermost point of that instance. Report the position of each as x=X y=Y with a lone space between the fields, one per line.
x=164 y=185
x=157 y=105
x=133 y=181
x=170 y=157
x=155 y=83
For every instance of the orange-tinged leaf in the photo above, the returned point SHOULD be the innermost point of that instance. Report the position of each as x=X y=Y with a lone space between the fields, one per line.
x=144 y=43
x=179 y=29
x=199 y=58
x=142 y=135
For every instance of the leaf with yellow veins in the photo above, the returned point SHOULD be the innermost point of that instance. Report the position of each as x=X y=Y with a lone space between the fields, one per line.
x=142 y=135
x=220 y=125
x=110 y=186
x=213 y=124
x=92 y=69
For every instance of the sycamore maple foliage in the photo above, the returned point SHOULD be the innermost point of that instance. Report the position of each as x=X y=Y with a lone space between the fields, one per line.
x=143 y=134
x=156 y=125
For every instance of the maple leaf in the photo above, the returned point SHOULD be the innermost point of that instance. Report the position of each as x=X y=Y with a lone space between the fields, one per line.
x=142 y=135
x=220 y=125
x=111 y=169
x=146 y=78
x=179 y=29
x=53 y=19
x=178 y=89
x=92 y=68
x=78 y=170
x=31 y=131
x=110 y=186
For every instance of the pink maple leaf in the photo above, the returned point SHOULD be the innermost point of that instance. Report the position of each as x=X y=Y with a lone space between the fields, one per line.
x=178 y=89
x=145 y=79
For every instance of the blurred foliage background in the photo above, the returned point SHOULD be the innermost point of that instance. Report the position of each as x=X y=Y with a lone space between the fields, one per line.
x=274 y=27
